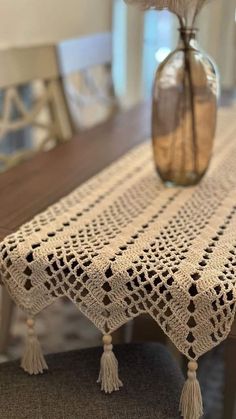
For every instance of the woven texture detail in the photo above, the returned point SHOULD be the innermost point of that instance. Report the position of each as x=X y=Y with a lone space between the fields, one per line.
x=122 y=244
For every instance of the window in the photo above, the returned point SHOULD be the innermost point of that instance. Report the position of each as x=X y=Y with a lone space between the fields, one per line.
x=159 y=40
x=119 y=46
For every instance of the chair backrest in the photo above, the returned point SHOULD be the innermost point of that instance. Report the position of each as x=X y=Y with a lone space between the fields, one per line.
x=85 y=64
x=19 y=68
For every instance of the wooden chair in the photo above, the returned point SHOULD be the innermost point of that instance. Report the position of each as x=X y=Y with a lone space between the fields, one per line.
x=28 y=66
x=85 y=65
x=70 y=91
x=71 y=64
x=230 y=376
x=19 y=67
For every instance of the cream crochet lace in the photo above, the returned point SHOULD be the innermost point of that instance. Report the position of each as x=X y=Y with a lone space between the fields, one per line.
x=122 y=244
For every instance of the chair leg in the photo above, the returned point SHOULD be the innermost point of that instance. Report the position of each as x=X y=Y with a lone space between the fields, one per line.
x=230 y=379
x=7 y=307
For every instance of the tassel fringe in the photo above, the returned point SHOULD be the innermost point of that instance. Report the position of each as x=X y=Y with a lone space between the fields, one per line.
x=108 y=376
x=191 y=399
x=33 y=360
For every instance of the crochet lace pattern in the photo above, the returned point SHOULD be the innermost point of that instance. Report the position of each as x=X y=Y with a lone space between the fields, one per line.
x=123 y=244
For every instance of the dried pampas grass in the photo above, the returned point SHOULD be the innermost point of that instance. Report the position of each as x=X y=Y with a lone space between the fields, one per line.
x=186 y=10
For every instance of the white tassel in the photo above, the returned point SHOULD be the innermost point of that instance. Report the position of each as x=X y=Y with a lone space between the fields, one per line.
x=33 y=360
x=191 y=399
x=108 y=376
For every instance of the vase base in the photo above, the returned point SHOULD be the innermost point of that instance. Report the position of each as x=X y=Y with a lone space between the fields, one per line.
x=184 y=180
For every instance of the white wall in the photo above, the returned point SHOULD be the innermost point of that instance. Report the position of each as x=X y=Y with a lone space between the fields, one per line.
x=40 y=21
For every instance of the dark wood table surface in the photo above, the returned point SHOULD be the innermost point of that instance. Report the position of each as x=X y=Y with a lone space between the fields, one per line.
x=32 y=186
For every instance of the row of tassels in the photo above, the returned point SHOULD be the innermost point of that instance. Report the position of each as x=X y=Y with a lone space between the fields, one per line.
x=34 y=363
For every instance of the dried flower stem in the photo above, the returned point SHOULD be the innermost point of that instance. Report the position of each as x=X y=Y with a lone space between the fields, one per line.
x=192 y=103
x=186 y=10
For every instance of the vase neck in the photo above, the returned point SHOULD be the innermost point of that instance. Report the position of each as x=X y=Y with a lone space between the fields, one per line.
x=188 y=38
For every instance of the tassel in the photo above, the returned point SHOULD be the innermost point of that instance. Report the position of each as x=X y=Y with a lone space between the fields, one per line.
x=108 y=376
x=191 y=399
x=33 y=360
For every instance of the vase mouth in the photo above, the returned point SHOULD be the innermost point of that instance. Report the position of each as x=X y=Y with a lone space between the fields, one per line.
x=188 y=35
x=188 y=31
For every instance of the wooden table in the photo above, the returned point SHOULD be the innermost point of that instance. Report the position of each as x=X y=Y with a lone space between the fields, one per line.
x=31 y=187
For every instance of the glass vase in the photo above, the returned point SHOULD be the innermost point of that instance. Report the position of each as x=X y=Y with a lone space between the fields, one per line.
x=184 y=113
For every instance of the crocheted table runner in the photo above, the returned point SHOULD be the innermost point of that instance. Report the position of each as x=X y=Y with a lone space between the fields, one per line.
x=123 y=244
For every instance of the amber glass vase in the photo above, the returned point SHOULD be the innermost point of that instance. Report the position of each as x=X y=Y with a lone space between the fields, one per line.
x=184 y=114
